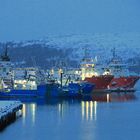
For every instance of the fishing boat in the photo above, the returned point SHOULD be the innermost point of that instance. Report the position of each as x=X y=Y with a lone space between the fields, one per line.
x=18 y=81
x=71 y=89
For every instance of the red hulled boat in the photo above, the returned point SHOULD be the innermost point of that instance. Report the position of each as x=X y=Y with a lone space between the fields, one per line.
x=126 y=83
x=122 y=80
x=101 y=82
x=89 y=74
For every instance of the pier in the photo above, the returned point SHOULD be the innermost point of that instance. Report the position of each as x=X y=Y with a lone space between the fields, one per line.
x=9 y=111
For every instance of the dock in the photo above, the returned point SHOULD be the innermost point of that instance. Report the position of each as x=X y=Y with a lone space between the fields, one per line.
x=9 y=111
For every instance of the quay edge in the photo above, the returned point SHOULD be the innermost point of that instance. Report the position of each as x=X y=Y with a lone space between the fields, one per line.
x=9 y=112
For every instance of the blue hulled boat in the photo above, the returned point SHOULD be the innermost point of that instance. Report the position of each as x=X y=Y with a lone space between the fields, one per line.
x=71 y=90
x=23 y=82
x=39 y=92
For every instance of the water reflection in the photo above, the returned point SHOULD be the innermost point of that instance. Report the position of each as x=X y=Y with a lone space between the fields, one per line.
x=99 y=97
x=95 y=110
x=92 y=118
x=33 y=112
x=88 y=108
x=24 y=113
x=91 y=110
x=108 y=97
x=113 y=97
x=60 y=109
x=83 y=109
x=29 y=109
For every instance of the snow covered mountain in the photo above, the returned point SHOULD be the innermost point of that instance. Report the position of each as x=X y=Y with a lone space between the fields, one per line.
x=72 y=46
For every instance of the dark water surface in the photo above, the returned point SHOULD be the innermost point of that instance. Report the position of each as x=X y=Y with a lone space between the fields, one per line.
x=110 y=117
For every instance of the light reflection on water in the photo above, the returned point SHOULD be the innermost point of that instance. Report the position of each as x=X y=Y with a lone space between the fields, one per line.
x=88 y=107
x=88 y=110
x=33 y=111
x=23 y=113
x=74 y=118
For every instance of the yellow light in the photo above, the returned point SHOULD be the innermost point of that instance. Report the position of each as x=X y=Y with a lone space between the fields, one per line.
x=95 y=109
x=76 y=72
x=108 y=97
x=60 y=71
x=106 y=73
x=24 y=113
x=52 y=71
x=91 y=110
x=96 y=74
x=83 y=109
x=24 y=86
x=87 y=74
x=87 y=109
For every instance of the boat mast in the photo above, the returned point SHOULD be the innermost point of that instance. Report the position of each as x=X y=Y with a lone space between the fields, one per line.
x=5 y=56
x=114 y=52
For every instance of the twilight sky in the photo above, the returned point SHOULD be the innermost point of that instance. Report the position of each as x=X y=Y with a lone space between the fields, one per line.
x=34 y=19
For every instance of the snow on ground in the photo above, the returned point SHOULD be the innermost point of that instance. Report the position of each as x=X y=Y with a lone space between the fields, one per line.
x=8 y=106
x=100 y=44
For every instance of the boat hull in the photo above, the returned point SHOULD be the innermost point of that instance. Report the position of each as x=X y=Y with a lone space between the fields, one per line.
x=101 y=82
x=41 y=91
x=73 y=90
x=123 y=83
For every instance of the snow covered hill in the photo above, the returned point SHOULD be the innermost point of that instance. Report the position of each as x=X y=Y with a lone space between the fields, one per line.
x=100 y=45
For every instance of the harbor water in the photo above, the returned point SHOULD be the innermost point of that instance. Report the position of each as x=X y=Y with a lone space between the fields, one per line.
x=114 y=117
